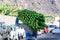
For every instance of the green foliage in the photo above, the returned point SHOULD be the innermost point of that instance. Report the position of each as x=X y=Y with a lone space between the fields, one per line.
x=7 y=9
x=50 y=17
x=33 y=19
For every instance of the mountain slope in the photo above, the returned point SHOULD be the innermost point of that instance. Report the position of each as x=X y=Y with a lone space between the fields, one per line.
x=42 y=6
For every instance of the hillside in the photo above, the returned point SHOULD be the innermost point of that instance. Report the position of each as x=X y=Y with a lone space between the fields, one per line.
x=42 y=6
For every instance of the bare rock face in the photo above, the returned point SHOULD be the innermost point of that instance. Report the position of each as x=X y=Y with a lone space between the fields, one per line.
x=45 y=6
x=42 y=6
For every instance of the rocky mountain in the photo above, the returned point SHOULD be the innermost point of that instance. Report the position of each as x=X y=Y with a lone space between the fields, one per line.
x=42 y=6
